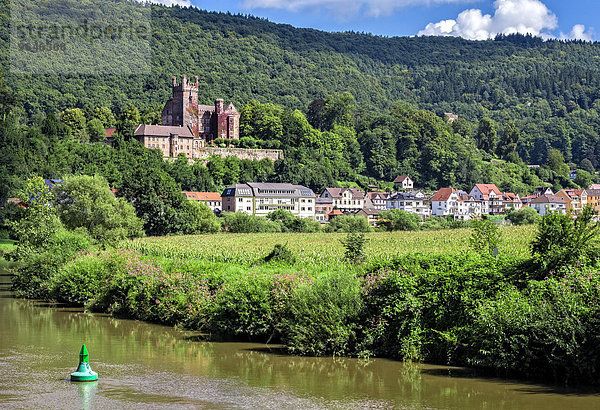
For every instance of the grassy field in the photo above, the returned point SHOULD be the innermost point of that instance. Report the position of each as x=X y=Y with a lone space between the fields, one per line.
x=323 y=248
x=7 y=244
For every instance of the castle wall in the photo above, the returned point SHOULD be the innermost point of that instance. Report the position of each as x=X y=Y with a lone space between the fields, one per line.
x=205 y=153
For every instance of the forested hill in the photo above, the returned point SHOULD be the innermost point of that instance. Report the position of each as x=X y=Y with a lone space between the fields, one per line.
x=241 y=58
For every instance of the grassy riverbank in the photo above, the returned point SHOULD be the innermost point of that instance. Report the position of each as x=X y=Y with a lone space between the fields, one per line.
x=417 y=296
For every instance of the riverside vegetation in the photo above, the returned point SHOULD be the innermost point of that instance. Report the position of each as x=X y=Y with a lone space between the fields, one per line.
x=533 y=311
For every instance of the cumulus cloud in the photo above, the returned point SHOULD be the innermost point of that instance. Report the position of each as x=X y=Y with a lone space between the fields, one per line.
x=578 y=33
x=168 y=2
x=373 y=8
x=510 y=17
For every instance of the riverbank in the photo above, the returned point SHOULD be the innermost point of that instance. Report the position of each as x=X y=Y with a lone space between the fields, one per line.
x=151 y=366
x=455 y=308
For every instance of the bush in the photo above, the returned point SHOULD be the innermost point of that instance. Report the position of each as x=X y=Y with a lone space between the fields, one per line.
x=281 y=254
x=323 y=316
x=240 y=222
x=561 y=240
x=524 y=216
x=348 y=223
x=37 y=269
x=354 y=244
x=397 y=220
x=485 y=238
x=290 y=223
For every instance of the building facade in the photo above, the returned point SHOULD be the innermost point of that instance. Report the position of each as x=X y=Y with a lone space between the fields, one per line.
x=260 y=199
x=405 y=201
x=403 y=182
x=547 y=203
x=575 y=200
x=210 y=199
x=347 y=200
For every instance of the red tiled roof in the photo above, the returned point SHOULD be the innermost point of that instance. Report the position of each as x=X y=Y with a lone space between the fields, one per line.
x=109 y=132
x=337 y=192
x=202 y=196
x=335 y=212
x=443 y=194
x=487 y=188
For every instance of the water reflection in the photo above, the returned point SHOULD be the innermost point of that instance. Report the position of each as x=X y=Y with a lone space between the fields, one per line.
x=151 y=365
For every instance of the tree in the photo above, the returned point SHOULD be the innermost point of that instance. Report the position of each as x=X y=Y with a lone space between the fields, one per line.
x=556 y=162
x=586 y=165
x=584 y=179
x=398 y=220
x=487 y=135
x=95 y=130
x=39 y=222
x=561 y=241
x=75 y=120
x=202 y=218
x=129 y=119
x=508 y=141
x=86 y=202
x=339 y=109
x=485 y=237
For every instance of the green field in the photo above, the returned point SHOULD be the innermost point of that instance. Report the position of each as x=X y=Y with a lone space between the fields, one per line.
x=323 y=249
x=7 y=244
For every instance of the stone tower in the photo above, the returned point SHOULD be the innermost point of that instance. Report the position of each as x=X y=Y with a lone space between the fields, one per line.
x=182 y=108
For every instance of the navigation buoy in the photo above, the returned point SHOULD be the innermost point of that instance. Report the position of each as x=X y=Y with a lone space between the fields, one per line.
x=84 y=372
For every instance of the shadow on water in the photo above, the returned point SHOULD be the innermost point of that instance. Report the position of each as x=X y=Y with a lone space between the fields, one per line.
x=530 y=387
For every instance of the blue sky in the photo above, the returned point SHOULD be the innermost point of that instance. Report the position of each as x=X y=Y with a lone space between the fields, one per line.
x=474 y=19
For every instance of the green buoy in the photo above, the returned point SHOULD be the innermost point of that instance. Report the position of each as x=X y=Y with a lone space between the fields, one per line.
x=84 y=372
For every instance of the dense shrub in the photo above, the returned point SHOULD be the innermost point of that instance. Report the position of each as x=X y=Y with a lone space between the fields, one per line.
x=561 y=240
x=36 y=269
x=282 y=254
x=524 y=216
x=550 y=329
x=348 y=223
x=323 y=316
x=240 y=222
x=397 y=220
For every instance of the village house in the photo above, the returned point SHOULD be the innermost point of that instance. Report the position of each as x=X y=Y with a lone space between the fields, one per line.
x=259 y=199
x=511 y=201
x=378 y=200
x=371 y=214
x=403 y=182
x=491 y=196
x=347 y=200
x=405 y=201
x=575 y=200
x=593 y=198
x=473 y=205
x=323 y=206
x=447 y=202
x=210 y=199
x=547 y=203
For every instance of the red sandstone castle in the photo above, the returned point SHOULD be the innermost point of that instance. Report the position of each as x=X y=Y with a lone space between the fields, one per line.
x=187 y=126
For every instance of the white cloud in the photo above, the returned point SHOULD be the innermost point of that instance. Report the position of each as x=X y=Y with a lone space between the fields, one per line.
x=373 y=8
x=578 y=33
x=168 y=2
x=510 y=17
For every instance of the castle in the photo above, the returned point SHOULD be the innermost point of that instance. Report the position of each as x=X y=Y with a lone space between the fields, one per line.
x=206 y=122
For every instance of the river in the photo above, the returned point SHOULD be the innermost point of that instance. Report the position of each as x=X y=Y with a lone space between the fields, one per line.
x=152 y=366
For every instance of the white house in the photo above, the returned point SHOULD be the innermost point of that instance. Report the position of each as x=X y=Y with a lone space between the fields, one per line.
x=261 y=198
x=546 y=204
x=409 y=203
x=347 y=200
x=403 y=182
x=491 y=196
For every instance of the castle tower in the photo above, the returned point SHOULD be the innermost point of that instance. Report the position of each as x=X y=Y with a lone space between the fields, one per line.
x=182 y=108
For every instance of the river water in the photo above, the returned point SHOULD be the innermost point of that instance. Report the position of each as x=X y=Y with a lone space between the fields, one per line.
x=151 y=366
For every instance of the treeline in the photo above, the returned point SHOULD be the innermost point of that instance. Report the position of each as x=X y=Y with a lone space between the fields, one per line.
x=549 y=88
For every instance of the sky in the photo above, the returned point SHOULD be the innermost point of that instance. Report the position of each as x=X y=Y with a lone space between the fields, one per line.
x=471 y=19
